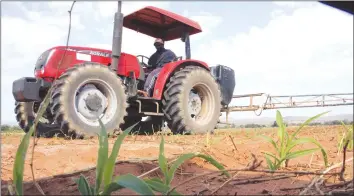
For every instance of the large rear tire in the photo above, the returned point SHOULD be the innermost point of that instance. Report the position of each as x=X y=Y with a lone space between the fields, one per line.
x=85 y=93
x=192 y=101
x=26 y=113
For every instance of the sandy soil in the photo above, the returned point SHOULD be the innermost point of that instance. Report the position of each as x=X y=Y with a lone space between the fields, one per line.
x=57 y=156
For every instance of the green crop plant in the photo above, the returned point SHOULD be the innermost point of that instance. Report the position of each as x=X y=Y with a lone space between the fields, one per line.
x=105 y=183
x=347 y=137
x=286 y=143
x=164 y=186
x=20 y=157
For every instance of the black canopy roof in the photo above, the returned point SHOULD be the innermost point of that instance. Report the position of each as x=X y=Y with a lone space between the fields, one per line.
x=346 y=6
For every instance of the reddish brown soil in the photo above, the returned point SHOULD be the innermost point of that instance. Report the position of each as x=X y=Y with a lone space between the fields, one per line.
x=57 y=156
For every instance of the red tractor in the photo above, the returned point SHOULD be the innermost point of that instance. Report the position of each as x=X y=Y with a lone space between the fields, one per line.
x=94 y=83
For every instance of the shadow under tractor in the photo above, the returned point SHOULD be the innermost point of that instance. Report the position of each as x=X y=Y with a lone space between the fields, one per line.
x=90 y=83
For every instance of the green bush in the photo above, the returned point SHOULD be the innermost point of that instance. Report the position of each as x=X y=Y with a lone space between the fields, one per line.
x=5 y=127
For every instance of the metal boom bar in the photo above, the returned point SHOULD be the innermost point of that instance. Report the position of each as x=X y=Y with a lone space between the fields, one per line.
x=291 y=101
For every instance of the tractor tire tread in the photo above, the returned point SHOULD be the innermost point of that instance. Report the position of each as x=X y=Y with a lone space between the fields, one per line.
x=171 y=102
x=24 y=119
x=60 y=114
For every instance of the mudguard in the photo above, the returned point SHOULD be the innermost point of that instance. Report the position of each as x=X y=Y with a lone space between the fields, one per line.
x=167 y=71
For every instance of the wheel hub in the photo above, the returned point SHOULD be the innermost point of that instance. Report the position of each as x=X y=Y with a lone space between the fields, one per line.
x=195 y=104
x=91 y=103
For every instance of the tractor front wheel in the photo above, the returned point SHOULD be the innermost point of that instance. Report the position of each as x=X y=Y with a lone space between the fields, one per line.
x=86 y=93
x=192 y=101
x=26 y=112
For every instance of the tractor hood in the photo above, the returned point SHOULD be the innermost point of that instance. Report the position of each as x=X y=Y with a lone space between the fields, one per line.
x=159 y=23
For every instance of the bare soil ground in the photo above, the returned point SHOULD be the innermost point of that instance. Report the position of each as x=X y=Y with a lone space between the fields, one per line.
x=56 y=156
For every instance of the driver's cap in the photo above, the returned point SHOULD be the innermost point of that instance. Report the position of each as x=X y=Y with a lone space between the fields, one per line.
x=158 y=40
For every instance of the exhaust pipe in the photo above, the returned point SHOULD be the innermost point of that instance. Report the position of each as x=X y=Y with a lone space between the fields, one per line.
x=117 y=37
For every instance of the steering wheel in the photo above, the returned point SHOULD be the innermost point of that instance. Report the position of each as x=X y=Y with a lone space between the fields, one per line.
x=142 y=62
x=179 y=58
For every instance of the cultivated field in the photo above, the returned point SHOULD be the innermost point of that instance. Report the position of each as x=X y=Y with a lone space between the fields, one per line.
x=56 y=156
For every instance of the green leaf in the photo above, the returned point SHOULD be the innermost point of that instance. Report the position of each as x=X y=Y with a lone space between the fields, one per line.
x=110 y=164
x=181 y=159
x=134 y=183
x=92 y=190
x=270 y=140
x=296 y=142
x=279 y=119
x=19 y=163
x=102 y=156
x=157 y=185
x=214 y=163
x=341 y=142
x=20 y=157
x=84 y=187
x=111 y=188
x=271 y=155
x=348 y=133
x=300 y=153
x=324 y=155
x=269 y=162
x=308 y=121
x=310 y=140
x=176 y=164
x=162 y=159
x=281 y=133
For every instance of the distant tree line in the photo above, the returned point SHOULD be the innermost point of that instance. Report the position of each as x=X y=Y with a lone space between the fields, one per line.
x=274 y=124
x=10 y=128
x=333 y=122
x=252 y=125
x=338 y=122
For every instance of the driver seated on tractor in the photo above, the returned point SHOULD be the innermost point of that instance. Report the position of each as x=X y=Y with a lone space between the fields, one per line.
x=157 y=60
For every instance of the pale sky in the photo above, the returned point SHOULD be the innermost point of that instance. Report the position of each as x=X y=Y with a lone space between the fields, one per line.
x=274 y=47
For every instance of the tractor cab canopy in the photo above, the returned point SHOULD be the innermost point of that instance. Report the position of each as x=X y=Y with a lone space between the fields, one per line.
x=159 y=23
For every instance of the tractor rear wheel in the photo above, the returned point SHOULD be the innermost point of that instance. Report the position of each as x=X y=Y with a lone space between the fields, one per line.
x=85 y=93
x=26 y=113
x=192 y=101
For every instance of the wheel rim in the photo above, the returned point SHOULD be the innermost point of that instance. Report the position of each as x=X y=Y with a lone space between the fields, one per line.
x=95 y=99
x=194 y=103
x=201 y=103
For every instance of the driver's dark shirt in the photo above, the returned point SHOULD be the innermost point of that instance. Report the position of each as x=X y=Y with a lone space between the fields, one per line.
x=154 y=57
x=161 y=57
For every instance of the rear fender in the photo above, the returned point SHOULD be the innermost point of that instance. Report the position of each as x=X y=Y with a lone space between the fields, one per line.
x=168 y=70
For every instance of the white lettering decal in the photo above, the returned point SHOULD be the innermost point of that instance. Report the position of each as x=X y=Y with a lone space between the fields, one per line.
x=83 y=57
x=97 y=53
